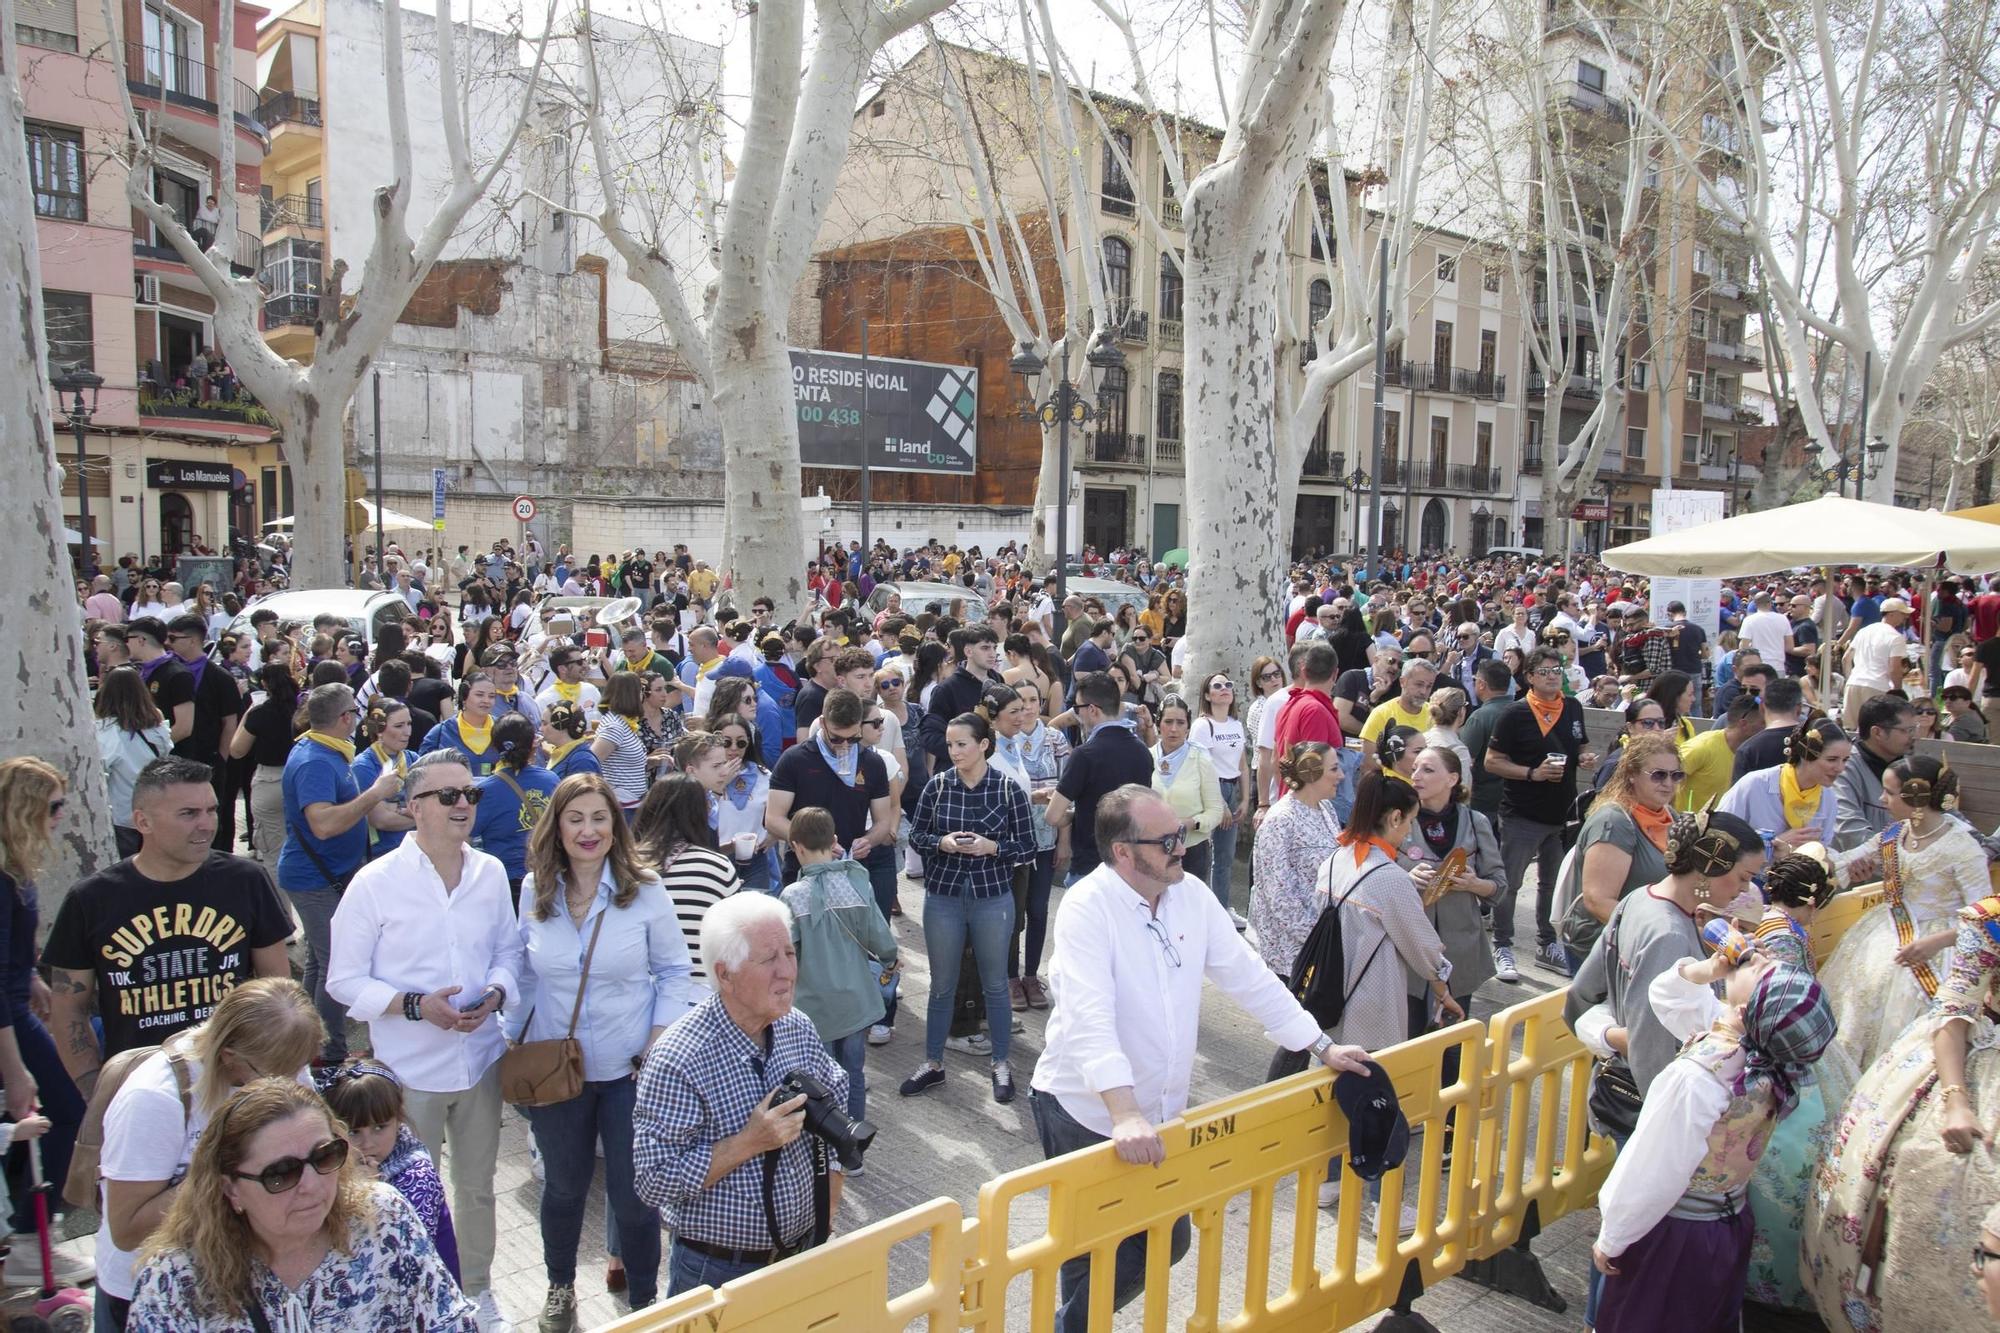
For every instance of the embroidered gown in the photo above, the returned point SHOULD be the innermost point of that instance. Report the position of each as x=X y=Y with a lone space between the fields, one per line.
x=1873 y=997
x=1888 y=1183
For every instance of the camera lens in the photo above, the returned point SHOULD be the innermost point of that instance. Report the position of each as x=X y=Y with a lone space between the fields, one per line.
x=827 y=1120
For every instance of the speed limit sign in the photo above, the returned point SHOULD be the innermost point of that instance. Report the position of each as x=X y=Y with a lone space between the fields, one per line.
x=524 y=508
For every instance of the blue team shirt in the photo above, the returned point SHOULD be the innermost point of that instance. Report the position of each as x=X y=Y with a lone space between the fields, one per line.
x=504 y=821
x=316 y=774
x=368 y=767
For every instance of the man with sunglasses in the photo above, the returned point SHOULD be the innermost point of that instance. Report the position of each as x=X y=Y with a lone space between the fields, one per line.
x=218 y=704
x=1537 y=749
x=426 y=951
x=167 y=678
x=1135 y=941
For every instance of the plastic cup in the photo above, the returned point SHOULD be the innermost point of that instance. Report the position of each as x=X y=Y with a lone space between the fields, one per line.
x=744 y=844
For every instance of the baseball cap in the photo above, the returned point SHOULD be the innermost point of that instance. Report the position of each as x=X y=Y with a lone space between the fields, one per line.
x=1378 y=1135
x=1895 y=604
x=498 y=653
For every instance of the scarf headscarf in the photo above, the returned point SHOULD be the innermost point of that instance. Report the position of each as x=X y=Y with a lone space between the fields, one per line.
x=1652 y=823
x=341 y=747
x=401 y=763
x=572 y=690
x=848 y=770
x=476 y=739
x=1786 y=1026
x=1801 y=803
x=1548 y=713
x=1361 y=842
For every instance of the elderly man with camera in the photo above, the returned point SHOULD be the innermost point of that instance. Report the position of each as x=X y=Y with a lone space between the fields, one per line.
x=724 y=1098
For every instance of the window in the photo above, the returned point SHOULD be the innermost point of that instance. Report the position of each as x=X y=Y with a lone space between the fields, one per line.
x=1482 y=446
x=1118 y=275
x=292 y=268
x=46 y=23
x=67 y=324
x=1690 y=448
x=1170 y=288
x=55 y=167
x=1167 y=407
x=173 y=52
x=1533 y=445
x=1635 y=441
x=1489 y=352
x=1590 y=76
x=1319 y=304
x=1698 y=323
x=1489 y=276
x=1635 y=378
x=1392 y=434
x=877 y=109
x=1440 y=443
x=1694 y=385
x=1112 y=403
x=1447 y=268
x=1117 y=186
x=1704 y=262
x=1441 y=345
x=180 y=194
x=1319 y=231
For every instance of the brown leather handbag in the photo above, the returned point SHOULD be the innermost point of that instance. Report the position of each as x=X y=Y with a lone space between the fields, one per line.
x=543 y=1073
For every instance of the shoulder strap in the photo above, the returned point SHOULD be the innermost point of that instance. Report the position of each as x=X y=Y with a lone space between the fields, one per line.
x=513 y=786
x=178 y=1062
x=576 y=1010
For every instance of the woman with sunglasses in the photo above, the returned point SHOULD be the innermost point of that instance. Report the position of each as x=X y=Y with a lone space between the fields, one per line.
x=739 y=809
x=1260 y=725
x=1870 y=1260
x=1674 y=692
x=1643 y=717
x=276 y=1228
x=1622 y=846
x=1217 y=730
x=266 y=1027
x=660 y=723
x=148 y=603
x=1185 y=775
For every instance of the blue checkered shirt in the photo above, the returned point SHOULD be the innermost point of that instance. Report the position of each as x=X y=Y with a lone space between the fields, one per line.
x=997 y=809
x=700 y=1083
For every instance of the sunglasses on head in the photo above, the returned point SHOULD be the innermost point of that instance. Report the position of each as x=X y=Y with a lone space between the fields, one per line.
x=285 y=1173
x=450 y=796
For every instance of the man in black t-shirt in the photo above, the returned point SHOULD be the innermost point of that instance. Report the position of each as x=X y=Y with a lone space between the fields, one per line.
x=1355 y=693
x=218 y=703
x=1537 y=751
x=156 y=941
x=853 y=787
x=167 y=679
x=820 y=681
x=1112 y=756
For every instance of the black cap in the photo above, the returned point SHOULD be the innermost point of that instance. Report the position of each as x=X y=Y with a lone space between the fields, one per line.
x=1378 y=1137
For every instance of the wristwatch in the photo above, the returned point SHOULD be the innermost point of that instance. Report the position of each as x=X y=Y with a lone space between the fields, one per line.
x=1319 y=1047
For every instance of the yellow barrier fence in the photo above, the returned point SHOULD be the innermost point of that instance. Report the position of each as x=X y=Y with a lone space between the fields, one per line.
x=1524 y=1157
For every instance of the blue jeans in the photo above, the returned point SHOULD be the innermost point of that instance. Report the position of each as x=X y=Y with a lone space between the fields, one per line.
x=567 y=1134
x=1593 y=1290
x=315 y=909
x=1060 y=1133
x=989 y=922
x=756 y=874
x=687 y=1270
x=1224 y=844
x=851 y=1053
x=1350 y=773
x=1031 y=916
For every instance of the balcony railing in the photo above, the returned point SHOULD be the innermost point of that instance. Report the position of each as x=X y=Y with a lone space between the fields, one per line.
x=248 y=256
x=287 y=109
x=1531 y=463
x=1167 y=452
x=1578 y=386
x=292 y=210
x=181 y=81
x=291 y=308
x=1596 y=102
x=1133 y=326
x=1117 y=205
x=1326 y=464
x=1170 y=212
x=1170 y=332
x=1427 y=378
x=1118 y=450
x=1718 y=409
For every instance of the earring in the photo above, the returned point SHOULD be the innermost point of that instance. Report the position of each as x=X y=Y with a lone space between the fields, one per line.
x=1701 y=892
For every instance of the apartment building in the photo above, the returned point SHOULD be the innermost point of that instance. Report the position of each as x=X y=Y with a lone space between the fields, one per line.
x=1454 y=422
x=155 y=471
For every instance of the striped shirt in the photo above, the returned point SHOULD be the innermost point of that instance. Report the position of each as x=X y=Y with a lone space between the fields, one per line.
x=625 y=767
x=697 y=879
x=996 y=808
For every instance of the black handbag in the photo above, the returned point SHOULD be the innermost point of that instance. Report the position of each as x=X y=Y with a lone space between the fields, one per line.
x=1614 y=1099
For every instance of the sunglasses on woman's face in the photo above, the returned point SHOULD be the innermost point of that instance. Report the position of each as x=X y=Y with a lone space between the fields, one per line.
x=735 y=743
x=1651 y=723
x=1669 y=775
x=285 y=1173
x=450 y=796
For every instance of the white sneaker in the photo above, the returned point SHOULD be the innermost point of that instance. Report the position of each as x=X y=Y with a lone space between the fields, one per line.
x=535 y=1166
x=486 y=1309
x=1503 y=964
x=1406 y=1224
x=879 y=1034
x=976 y=1044
x=24 y=1265
x=1329 y=1193
x=1240 y=921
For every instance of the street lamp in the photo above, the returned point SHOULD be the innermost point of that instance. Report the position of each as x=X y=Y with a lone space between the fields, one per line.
x=76 y=381
x=1065 y=405
x=1859 y=470
x=1355 y=483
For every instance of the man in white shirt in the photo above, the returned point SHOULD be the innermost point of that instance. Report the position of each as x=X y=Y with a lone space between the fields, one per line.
x=1770 y=632
x=425 y=951
x=1134 y=941
x=1876 y=656
x=569 y=663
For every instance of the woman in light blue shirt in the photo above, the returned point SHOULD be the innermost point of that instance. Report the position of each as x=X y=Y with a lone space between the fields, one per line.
x=587 y=893
x=1794 y=803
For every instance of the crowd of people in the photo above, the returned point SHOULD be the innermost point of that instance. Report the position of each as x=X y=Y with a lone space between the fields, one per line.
x=647 y=891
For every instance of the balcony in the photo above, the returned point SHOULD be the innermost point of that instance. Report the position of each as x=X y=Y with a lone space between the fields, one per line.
x=1719 y=409
x=1170 y=212
x=1324 y=465
x=1170 y=332
x=1133 y=326
x=291 y=308
x=1531 y=463
x=287 y=109
x=1734 y=351
x=1427 y=378
x=187 y=93
x=1117 y=200
x=1594 y=101
x=1108 y=448
x=1167 y=452
x=1587 y=387
x=292 y=210
x=1308 y=352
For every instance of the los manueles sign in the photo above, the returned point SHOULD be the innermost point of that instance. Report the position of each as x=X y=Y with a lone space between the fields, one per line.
x=179 y=474
x=921 y=416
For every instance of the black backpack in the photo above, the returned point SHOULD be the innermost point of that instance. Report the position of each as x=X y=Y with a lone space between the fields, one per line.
x=1319 y=974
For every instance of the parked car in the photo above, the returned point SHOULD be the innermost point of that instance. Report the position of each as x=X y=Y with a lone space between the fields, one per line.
x=1110 y=592
x=362 y=609
x=1516 y=552
x=919 y=597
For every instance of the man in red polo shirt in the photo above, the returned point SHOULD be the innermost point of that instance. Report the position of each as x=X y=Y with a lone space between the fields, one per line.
x=1306 y=714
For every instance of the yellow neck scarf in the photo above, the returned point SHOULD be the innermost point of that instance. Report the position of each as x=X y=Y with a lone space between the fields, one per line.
x=478 y=738
x=345 y=749
x=401 y=763
x=572 y=691
x=1801 y=804
x=556 y=755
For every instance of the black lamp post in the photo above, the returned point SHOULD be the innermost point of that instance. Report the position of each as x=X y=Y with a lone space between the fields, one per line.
x=1859 y=470
x=1355 y=484
x=76 y=381
x=1065 y=405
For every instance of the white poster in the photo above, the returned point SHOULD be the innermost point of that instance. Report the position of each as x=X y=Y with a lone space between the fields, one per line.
x=1676 y=511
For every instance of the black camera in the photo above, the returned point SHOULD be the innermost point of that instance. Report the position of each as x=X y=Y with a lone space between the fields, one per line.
x=827 y=1119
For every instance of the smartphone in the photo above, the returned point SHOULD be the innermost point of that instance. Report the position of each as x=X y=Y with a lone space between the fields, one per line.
x=475 y=1001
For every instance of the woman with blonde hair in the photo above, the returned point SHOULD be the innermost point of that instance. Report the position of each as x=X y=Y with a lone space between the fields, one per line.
x=265 y=1027
x=275 y=1228
x=589 y=902
x=1623 y=844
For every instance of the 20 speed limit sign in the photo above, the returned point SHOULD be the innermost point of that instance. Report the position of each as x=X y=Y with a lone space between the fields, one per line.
x=524 y=508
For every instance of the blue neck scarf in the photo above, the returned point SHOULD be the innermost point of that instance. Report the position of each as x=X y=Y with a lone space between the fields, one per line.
x=848 y=771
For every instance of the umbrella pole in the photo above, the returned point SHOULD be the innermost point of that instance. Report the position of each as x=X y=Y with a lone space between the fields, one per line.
x=1826 y=642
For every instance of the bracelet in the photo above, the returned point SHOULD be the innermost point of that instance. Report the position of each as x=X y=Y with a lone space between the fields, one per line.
x=1944 y=1093
x=413 y=1006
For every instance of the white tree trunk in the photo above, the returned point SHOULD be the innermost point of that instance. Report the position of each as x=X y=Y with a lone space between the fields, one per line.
x=1048 y=499
x=49 y=705
x=764 y=534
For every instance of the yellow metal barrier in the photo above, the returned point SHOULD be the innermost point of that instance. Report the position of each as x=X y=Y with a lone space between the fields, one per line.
x=1524 y=1156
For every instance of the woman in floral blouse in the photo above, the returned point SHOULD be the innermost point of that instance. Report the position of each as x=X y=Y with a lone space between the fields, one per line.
x=1296 y=838
x=1896 y=1205
x=275 y=1228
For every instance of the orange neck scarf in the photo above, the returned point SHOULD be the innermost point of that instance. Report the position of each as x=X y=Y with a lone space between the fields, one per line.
x=1652 y=823
x=1546 y=714
x=1361 y=843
